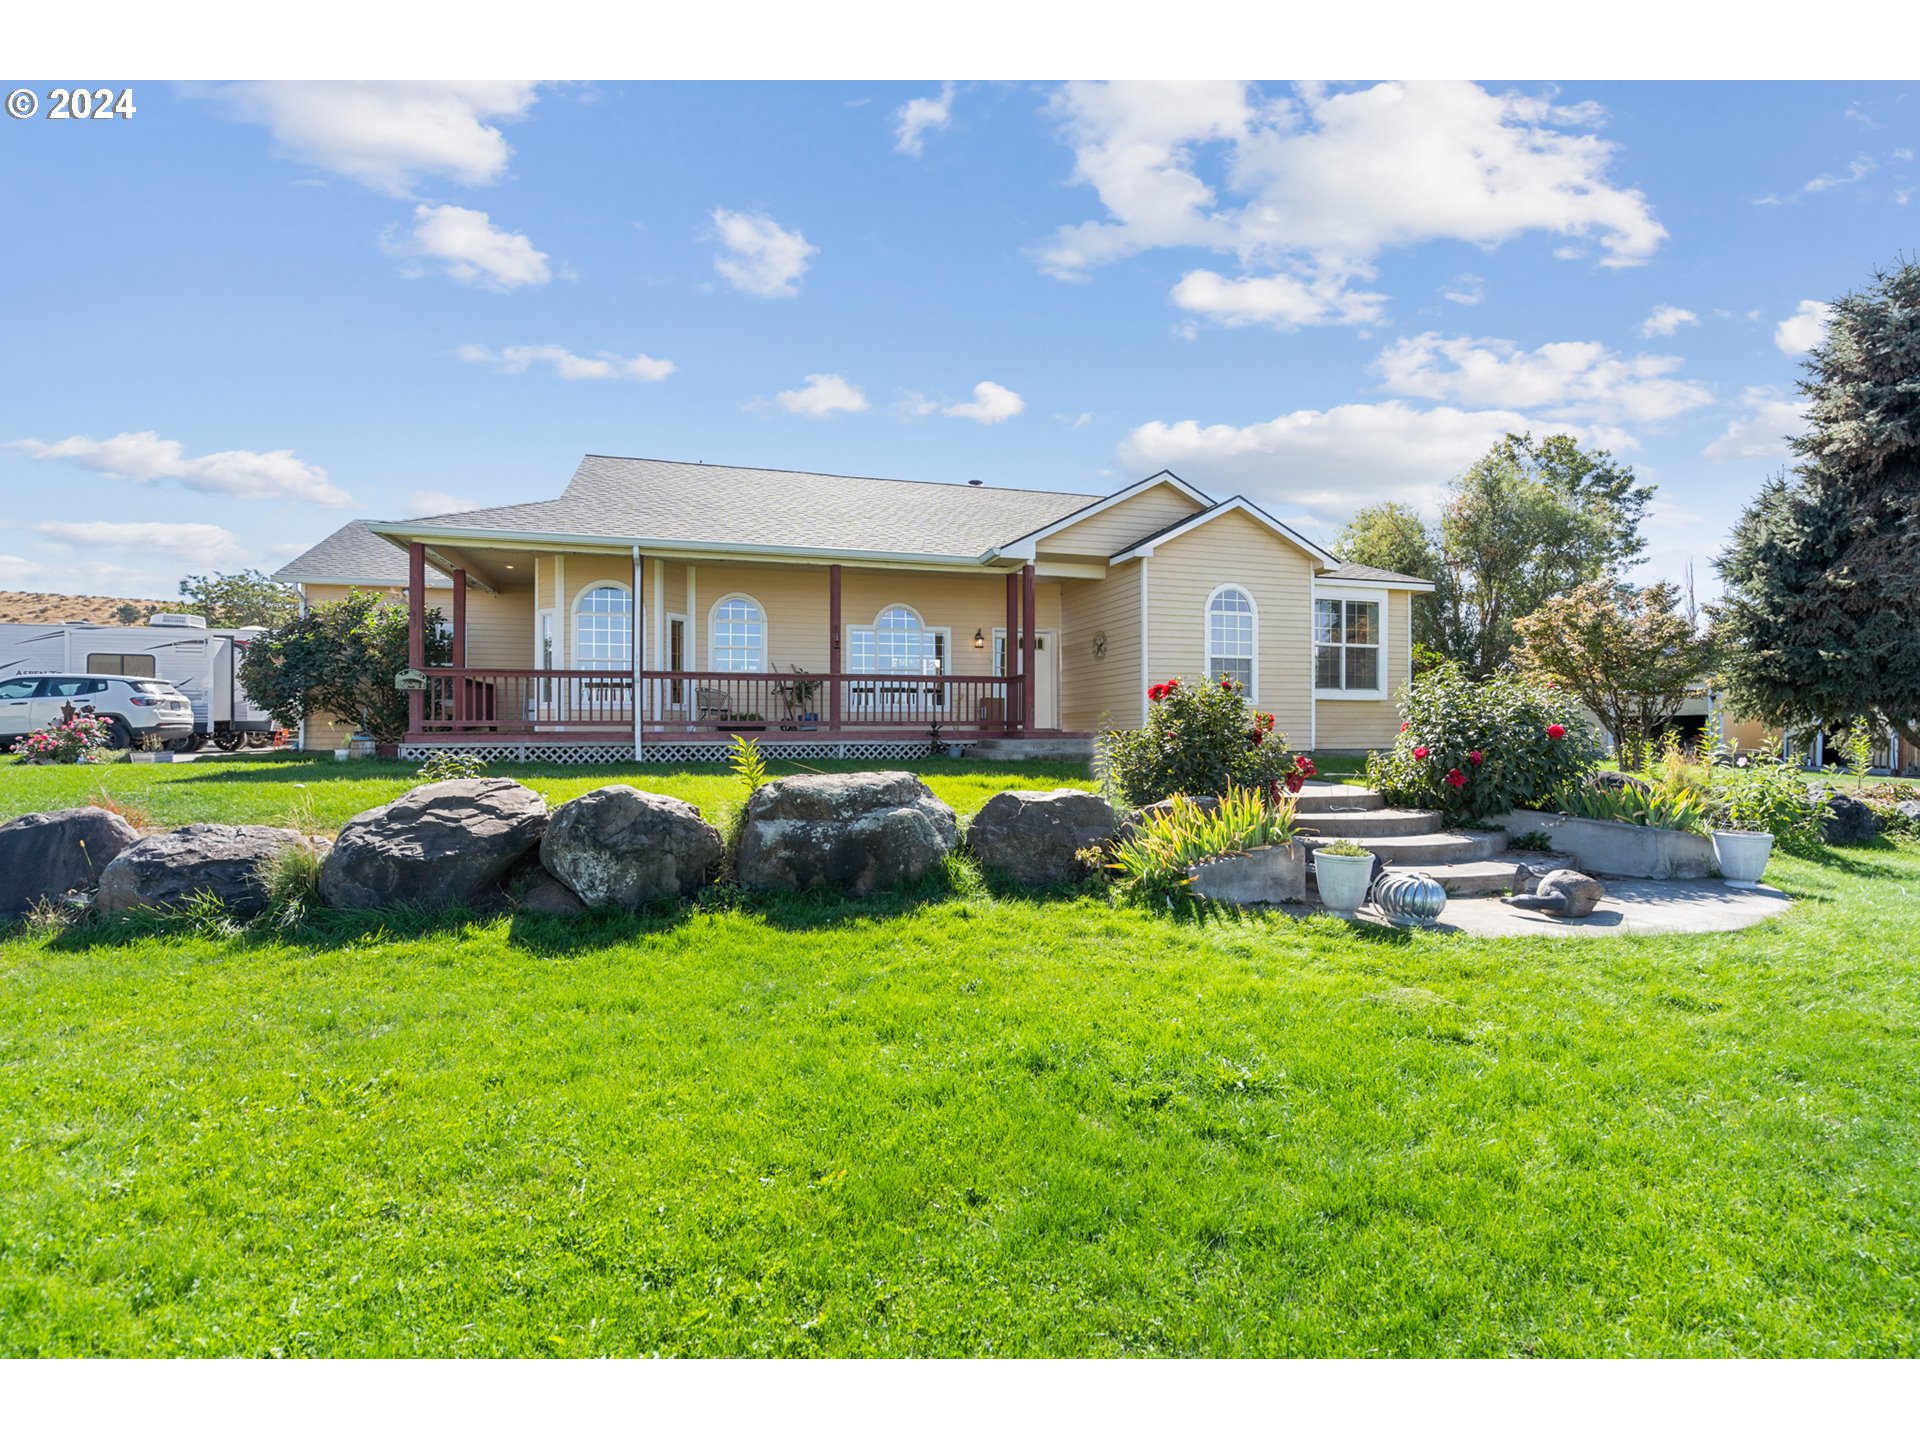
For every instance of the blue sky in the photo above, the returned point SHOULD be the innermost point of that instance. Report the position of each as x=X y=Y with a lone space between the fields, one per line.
x=249 y=313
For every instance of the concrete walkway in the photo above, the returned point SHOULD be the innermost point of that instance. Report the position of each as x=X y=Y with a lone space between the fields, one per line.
x=1632 y=907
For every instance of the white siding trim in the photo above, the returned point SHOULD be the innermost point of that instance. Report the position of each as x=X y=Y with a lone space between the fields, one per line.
x=1146 y=661
x=560 y=609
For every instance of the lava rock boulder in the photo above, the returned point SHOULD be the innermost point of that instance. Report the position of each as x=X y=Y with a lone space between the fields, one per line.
x=1035 y=836
x=625 y=847
x=177 y=867
x=43 y=857
x=437 y=846
x=854 y=833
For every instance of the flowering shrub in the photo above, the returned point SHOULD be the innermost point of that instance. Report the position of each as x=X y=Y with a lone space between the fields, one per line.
x=1477 y=748
x=452 y=765
x=1200 y=739
x=78 y=741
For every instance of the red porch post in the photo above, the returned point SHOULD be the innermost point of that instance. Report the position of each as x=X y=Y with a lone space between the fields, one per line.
x=1009 y=712
x=461 y=685
x=833 y=648
x=1027 y=638
x=416 y=628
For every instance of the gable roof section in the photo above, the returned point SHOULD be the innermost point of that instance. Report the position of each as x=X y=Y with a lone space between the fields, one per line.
x=1374 y=575
x=730 y=508
x=355 y=555
x=1029 y=543
x=1238 y=504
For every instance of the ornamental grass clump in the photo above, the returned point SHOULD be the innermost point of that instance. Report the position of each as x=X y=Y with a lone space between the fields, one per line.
x=1473 y=748
x=1155 y=858
x=1199 y=739
x=83 y=740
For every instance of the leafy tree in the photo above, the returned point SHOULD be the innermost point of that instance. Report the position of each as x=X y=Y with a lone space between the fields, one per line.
x=1629 y=655
x=1603 y=492
x=339 y=659
x=1821 y=615
x=246 y=597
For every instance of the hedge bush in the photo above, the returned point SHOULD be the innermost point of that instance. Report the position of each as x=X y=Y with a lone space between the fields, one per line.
x=1473 y=749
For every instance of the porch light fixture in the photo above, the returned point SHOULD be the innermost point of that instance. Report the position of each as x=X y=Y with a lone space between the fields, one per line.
x=979 y=641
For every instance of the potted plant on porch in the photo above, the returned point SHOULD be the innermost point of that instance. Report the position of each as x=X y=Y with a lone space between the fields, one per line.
x=1343 y=871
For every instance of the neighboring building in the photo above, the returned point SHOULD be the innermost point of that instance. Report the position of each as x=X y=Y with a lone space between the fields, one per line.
x=840 y=614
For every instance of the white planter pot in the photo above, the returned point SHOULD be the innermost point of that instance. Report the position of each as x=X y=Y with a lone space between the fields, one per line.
x=1343 y=880
x=1742 y=857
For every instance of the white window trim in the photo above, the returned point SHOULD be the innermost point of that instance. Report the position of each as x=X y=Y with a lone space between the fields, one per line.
x=766 y=632
x=573 y=614
x=1206 y=636
x=1333 y=590
x=846 y=649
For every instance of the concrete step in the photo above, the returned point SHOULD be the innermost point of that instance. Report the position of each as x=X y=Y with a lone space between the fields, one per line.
x=1317 y=797
x=1340 y=824
x=1462 y=880
x=1403 y=851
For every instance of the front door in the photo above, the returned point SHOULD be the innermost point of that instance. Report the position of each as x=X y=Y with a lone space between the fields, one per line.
x=1046 y=674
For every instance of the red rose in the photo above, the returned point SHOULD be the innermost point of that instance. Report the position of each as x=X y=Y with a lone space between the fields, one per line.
x=1456 y=779
x=1225 y=683
x=1173 y=684
x=1405 y=725
x=1556 y=732
x=1255 y=736
x=1419 y=752
x=1293 y=784
x=1475 y=756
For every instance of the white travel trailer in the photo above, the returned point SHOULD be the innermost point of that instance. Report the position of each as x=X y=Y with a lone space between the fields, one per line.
x=202 y=664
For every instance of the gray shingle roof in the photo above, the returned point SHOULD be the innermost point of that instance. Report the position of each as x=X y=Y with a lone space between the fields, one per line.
x=669 y=501
x=354 y=555
x=1371 y=572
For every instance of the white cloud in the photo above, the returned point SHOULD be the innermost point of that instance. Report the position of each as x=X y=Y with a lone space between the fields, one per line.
x=1282 y=301
x=1803 y=329
x=824 y=395
x=242 y=474
x=915 y=118
x=1564 y=380
x=1857 y=170
x=470 y=249
x=1323 y=181
x=387 y=136
x=990 y=405
x=758 y=256
x=17 y=572
x=199 y=542
x=1331 y=462
x=1761 y=432
x=1667 y=320
x=436 y=502
x=1465 y=289
x=518 y=359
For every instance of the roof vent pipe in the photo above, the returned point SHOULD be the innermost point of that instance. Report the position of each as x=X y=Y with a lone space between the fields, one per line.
x=976 y=482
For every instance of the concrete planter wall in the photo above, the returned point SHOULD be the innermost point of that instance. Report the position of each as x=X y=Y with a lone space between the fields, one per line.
x=1271 y=875
x=1608 y=847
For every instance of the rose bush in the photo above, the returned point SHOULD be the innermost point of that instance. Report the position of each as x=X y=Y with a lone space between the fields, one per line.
x=78 y=741
x=1477 y=748
x=1200 y=739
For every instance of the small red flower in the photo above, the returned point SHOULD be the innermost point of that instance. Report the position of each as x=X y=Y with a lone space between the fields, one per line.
x=1556 y=732
x=1225 y=683
x=1419 y=752
x=1256 y=735
x=1405 y=725
x=1173 y=684
x=1475 y=756
x=1456 y=779
x=1293 y=784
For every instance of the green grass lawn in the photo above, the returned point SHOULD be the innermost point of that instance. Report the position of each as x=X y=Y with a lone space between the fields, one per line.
x=267 y=790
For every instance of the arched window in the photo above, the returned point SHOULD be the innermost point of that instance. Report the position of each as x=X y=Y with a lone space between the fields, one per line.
x=739 y=634
x=603 y=628
x=897 y=643
x=1231 y=627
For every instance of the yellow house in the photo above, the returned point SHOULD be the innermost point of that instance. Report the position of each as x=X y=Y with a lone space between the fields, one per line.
x=655 y=608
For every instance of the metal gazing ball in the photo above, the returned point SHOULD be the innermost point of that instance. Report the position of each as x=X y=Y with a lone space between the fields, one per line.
x=1409 y=898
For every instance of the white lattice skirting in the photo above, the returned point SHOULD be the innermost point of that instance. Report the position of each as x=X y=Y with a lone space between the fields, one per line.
x=665 y=753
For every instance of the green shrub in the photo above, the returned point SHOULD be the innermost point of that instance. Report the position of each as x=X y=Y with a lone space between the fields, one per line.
x=1661 y=806
x=1893 y=823
x=1477 y=748
x=1154 y=857
x=452 y=765
x=291 y=878
x=1344 y=847
x=1773 y=798
x=1200 y=739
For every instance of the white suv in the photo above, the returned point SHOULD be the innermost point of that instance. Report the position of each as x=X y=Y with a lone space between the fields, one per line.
x=138 y=711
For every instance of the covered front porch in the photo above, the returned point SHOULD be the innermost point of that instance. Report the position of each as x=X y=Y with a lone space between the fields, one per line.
x=641 y=652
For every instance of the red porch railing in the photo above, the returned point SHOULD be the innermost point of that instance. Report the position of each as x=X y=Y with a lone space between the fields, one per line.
x=466 y=700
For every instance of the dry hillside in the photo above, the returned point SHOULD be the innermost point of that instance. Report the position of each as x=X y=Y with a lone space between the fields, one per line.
x=39 y=607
